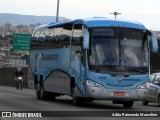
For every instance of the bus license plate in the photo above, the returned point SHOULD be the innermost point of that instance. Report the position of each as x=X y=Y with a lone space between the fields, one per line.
x=119 y=93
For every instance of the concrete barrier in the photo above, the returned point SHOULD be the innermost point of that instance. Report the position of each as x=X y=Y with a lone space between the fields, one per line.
x=7 y=77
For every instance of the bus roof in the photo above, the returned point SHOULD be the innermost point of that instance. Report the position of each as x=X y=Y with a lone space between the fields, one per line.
x=99 y=22
x=106 y=22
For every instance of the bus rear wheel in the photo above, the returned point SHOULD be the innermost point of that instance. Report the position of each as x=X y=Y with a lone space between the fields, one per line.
x=38 y=89
x=128 y=104
x=77 y=101
x=144 y=102
x=159 y=100
x=52 y=96
x=42 y=92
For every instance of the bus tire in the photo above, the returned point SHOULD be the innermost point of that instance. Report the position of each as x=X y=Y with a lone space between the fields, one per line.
x=42 y=92
x=52 y=96
x=38 y=89
x=144 y=102
x=159 y=100
x=77 y=101
x=128 y=104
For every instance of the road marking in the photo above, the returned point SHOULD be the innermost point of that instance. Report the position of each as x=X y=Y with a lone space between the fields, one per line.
x=49 y=104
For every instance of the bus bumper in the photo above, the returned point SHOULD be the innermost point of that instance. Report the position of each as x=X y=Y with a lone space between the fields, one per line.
x=115 y=94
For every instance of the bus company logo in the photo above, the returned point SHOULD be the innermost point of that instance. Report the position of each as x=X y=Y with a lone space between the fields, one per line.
x=124 y=79
x=47 y=57
x=120 y=80
x=6 y=114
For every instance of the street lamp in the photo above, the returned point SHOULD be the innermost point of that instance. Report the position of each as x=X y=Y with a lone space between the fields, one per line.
x=115 y=14
x=57 y=16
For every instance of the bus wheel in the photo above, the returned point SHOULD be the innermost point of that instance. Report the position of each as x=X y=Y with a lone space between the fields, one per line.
x=159 y=100
x=144 y=102
x=128 y=104
x=77 y=101
x=89 y=100
x=42 y=92
x=52 y=96
x=38 y=87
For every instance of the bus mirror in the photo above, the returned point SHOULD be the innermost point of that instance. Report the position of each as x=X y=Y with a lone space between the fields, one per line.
x=154 y=42
x=85 y=38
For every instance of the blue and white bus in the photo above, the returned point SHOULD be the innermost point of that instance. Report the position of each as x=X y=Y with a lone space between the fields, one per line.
x=92 y=59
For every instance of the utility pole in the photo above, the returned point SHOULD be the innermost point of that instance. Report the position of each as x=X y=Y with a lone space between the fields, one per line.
x=115 y=14
x=57 y=16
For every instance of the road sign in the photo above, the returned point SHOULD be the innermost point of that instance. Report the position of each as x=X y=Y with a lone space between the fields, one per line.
x=21 y=41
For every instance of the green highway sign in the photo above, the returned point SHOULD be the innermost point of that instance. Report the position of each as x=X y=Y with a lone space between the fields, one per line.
x=21 y=41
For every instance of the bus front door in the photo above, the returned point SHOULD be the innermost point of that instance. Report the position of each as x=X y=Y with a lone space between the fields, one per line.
x=82 y=79
x=78 y=71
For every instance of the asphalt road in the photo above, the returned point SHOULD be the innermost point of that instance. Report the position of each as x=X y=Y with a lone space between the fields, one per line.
x=25 y=101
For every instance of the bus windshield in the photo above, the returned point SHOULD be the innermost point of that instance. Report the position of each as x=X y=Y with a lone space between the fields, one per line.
x=119 y=49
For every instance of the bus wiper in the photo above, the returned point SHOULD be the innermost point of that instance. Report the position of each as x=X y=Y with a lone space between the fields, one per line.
x=136 y=70
x=99 y=68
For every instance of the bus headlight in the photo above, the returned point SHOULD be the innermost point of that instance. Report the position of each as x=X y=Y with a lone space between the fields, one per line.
x=93 y=84
x=143 y=86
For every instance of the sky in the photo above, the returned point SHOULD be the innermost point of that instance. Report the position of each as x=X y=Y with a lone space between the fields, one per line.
x=146 y=12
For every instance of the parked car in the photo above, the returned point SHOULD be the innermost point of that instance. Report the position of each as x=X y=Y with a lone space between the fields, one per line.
x=153 y=94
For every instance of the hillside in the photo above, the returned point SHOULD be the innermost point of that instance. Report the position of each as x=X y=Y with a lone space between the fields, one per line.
x=26 y=19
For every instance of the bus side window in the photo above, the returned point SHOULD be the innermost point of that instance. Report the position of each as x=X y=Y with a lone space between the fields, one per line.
x=40 y=40
x=77 y=39
x=33 y=41
x=56 y=36
x=65 y=35
x=53 y=38
x=47 y=39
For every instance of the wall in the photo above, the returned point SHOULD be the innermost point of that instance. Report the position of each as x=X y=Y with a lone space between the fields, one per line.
x=7 y=77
